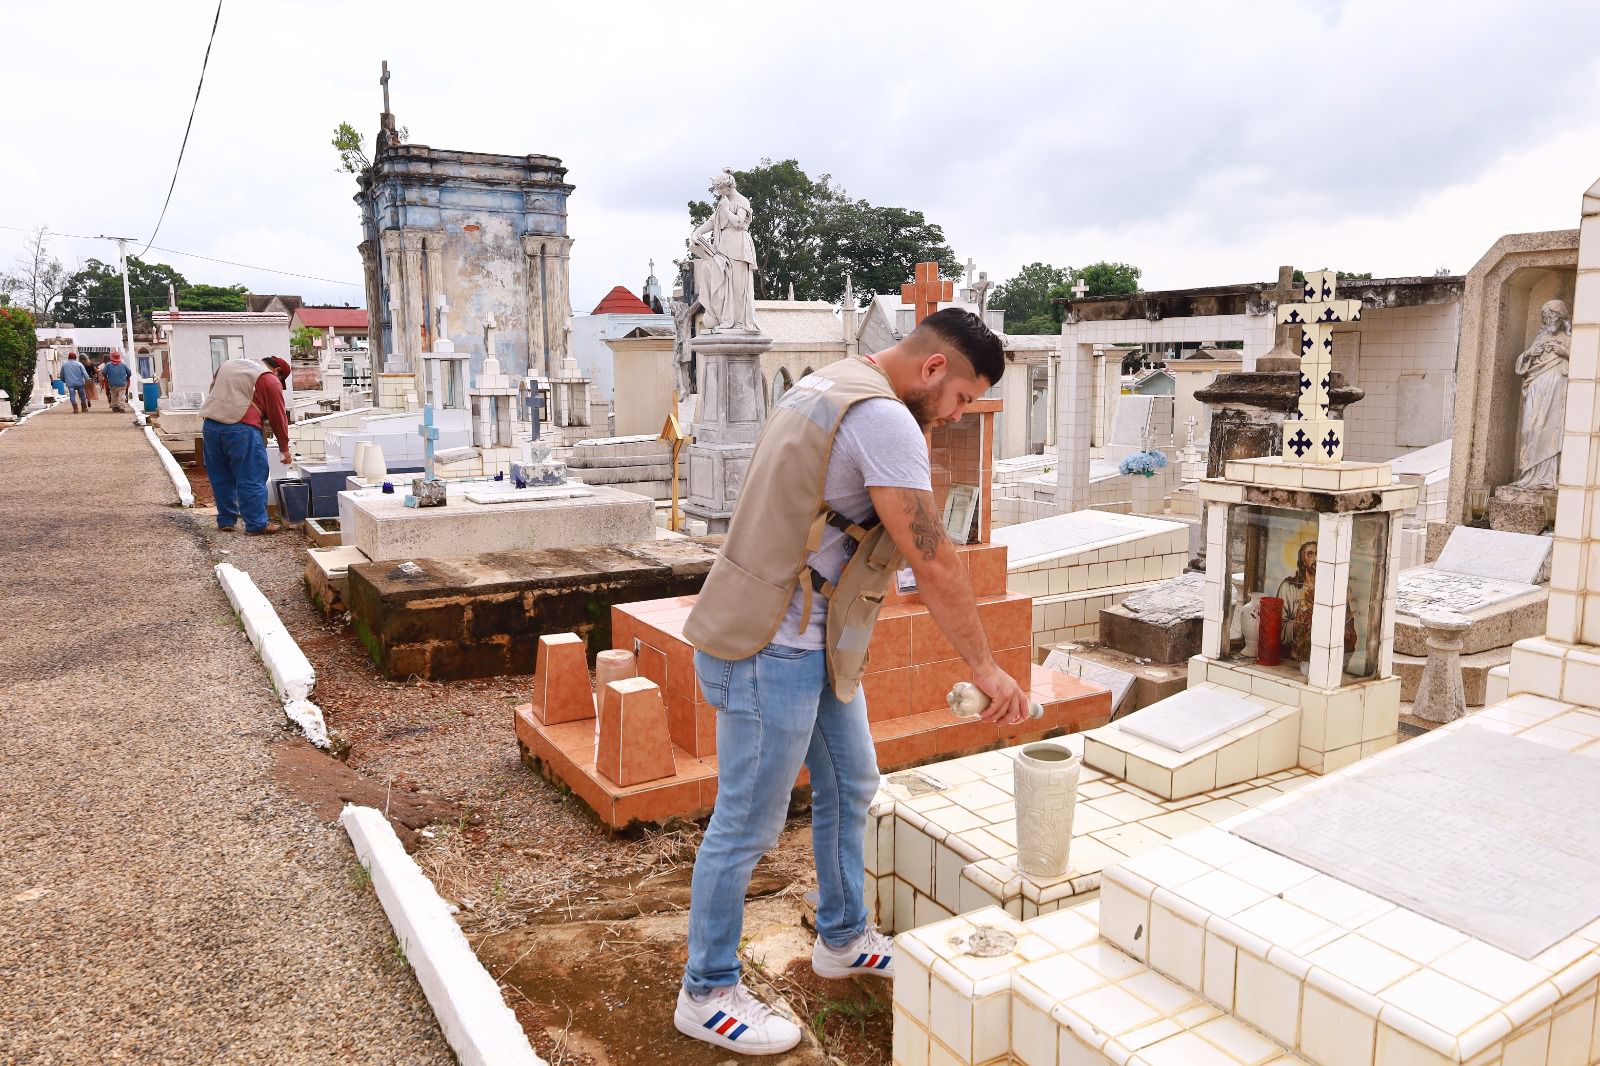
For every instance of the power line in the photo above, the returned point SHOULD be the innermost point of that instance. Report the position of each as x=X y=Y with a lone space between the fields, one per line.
x=247 y=266
x=192 y=109
x=196 y=255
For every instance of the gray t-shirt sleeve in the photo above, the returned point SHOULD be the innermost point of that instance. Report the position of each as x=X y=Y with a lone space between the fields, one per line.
x=883 y=439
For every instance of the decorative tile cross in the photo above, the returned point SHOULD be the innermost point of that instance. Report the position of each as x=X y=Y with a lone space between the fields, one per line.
x=927 y=292
x=429 y=433
x=1310 y=435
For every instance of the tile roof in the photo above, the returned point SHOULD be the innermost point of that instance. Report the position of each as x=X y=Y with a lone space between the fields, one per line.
x=619 y=301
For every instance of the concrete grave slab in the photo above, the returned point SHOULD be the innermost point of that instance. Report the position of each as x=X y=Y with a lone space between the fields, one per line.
x=1191 y=718
x=384 y=528
x=1420 y=829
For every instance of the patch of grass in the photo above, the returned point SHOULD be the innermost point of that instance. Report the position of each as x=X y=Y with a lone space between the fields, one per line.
x=360 y=875
x=853 y=1011
x=397 y=950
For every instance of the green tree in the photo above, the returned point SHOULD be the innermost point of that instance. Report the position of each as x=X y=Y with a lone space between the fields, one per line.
x=1026 y=298
x=19 y=355
x=352 y=157
x=1339 y=275
x=212 y=298
x=302 y=341
x=810 y=233
x=1108 y=279
x=93 y=295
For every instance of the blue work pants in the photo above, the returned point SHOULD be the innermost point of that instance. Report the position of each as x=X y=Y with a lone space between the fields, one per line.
x=236 y=464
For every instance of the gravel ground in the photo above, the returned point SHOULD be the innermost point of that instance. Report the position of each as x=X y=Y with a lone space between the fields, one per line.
x=160 y=899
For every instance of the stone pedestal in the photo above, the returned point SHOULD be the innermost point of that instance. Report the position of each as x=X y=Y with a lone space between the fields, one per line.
x=1521 y=510
x=445 y=379
x=732 y=409
x=1440 y=695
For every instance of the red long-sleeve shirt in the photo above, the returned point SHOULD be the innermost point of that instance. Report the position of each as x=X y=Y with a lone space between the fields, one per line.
x=268 y=400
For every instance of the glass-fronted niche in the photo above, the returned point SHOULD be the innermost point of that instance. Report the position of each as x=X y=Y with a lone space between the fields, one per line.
x=1276 y=616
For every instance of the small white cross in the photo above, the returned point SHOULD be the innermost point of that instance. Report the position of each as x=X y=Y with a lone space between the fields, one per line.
x=1079 y=289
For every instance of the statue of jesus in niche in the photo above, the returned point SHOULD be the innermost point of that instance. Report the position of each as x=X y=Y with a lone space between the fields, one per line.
x=1543 y=369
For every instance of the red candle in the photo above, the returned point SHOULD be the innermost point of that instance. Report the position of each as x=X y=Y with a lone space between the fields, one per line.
x=1269 y=639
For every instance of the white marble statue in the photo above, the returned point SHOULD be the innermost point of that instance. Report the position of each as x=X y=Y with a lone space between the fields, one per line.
x=725 y=259
x=1543 y=369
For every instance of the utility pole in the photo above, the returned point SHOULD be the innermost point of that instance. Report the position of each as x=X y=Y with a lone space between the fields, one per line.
x=129 y=359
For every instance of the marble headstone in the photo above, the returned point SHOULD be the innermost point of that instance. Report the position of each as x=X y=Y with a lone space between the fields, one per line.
x=1189 y=719
x=1480 y=831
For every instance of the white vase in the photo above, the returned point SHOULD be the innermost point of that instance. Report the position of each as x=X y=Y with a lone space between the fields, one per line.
x=1046 y=782
x=358 y=461
x=375 y=469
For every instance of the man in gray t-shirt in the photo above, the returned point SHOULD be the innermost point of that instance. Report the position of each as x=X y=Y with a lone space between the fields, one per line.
x=878 y=445
x=777 y=711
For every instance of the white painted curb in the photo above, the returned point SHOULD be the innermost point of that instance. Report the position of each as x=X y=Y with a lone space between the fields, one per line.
x=481 y=1029
x=174 y=471
x=291 y=672
x=32 y=414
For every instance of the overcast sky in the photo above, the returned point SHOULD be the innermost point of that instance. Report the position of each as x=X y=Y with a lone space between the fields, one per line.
x=1205 y=143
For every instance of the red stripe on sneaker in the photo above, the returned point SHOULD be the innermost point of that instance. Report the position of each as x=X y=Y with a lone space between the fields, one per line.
x=722 y=1030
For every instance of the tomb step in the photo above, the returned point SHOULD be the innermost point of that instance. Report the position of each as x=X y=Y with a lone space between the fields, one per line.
x=1071 y=998
x=942 y=838
x=1474 y=674
x=1264 y=744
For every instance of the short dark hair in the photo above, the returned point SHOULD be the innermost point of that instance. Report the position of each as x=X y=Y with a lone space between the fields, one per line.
x=966 y=333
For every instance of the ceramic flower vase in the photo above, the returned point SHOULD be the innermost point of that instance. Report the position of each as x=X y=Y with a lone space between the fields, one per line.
x=1045 y=777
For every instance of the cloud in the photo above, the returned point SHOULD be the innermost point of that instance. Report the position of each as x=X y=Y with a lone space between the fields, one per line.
x=1206 y=143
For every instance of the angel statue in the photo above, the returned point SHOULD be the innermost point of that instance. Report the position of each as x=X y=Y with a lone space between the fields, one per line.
x=725 y=259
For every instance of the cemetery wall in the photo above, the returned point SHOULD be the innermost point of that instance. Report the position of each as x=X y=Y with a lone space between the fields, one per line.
x=1405 y=359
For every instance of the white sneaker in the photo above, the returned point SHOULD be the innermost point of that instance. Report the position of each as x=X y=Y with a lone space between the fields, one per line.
x=733 y=1018
x=871 y=953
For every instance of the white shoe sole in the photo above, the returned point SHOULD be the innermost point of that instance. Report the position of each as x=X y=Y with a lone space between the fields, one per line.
x=691 y=1028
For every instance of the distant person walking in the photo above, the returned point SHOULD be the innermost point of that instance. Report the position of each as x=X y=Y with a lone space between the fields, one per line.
x=245 y=397
x=117 y=375
x=76 y=379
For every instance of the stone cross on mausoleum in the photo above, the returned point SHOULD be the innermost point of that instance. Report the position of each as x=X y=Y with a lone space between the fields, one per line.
x=1309 y=435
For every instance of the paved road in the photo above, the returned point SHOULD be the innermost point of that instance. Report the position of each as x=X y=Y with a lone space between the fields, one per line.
x=160 y=899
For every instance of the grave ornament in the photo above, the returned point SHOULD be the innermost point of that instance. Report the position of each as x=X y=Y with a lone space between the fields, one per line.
x=1543 y=369
x=725 y=259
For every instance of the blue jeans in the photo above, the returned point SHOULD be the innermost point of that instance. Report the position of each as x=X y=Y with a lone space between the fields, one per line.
x=236 y=464
x=78 y=397
x=775 y=711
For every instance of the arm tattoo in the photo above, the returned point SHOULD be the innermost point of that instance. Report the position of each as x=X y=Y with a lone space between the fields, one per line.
x=926 y=531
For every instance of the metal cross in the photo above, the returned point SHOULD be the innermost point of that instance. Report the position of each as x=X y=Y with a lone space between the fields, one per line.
x=429 y=433
x=384 y=81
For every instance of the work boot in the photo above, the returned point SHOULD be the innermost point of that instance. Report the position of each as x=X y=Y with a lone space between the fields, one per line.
x=735 y=1019
x=270 y=527
x=871 y=953
x=75 y=410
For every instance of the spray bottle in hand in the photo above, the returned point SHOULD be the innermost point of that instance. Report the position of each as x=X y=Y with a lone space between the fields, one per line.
x=967 y=700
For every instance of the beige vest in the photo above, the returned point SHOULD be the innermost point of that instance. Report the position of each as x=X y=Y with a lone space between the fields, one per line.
x=779 y=520
x=232 y=390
